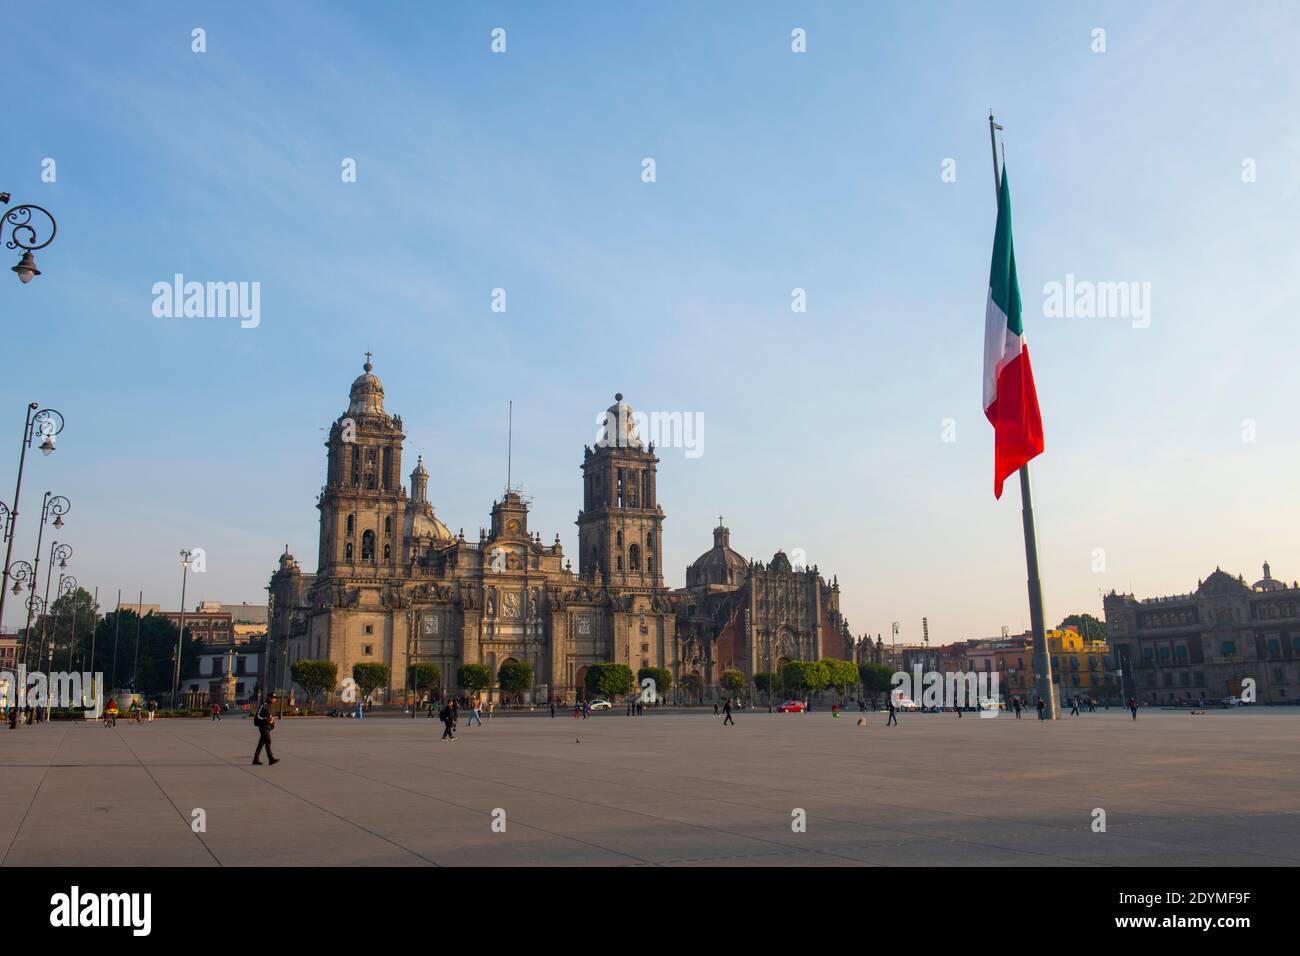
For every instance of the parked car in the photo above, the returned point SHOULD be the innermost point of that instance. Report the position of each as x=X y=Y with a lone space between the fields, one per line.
x=601 y=705
x=905 y=703
x=1233 y=702
x=792 y=707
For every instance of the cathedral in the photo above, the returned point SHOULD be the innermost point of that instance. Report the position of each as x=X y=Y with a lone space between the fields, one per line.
x=394 y=585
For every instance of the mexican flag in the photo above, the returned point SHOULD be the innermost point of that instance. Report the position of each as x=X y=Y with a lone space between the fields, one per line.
x=1010 y=400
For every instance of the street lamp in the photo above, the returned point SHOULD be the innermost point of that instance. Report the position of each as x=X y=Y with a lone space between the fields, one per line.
x=48 y=423
x=186 y=553
x=23 y=235
x=59 y=553
x=55 y=505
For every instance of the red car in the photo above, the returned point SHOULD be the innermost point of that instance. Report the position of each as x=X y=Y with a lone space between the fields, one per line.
x=792 y=707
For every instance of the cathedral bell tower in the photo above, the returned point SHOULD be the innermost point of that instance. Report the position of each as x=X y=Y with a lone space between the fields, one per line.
x=362 y=504
x=620 y=526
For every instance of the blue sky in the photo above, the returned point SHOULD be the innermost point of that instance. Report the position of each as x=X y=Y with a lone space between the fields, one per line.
x=775 y=170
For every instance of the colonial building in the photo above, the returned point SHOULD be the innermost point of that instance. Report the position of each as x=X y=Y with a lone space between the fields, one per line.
x=395 y=585
x=1209 y=643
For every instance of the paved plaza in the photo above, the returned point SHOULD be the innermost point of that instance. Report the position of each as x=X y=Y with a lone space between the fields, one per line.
x=665 y=789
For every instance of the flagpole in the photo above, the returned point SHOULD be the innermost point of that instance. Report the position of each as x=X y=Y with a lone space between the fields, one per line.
x=1042 y=659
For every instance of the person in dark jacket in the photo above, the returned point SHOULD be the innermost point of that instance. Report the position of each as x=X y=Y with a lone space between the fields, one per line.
x=727 y=710
x=264 y=720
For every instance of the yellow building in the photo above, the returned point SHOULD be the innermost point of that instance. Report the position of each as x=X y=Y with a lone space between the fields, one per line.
x=1079 y=665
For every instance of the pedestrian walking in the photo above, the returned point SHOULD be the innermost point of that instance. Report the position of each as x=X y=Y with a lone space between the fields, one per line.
x=727 y=710
x=715 y=708
x=1133 y=706
x=1042 y=709
x=586 y=709
x=153 y=708
x=1074 y=706
x=264 y=721
x=577 y=709
x=216 y=712
x=893 y=714
x=1015 y=703
x=552 y=708
x=475 y=711
x=448 y=717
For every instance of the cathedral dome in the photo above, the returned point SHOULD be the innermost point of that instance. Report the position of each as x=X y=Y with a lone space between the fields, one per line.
x=1268 y=582
x=421 y=525
x=367 y=393
x=620 y=425
x=720 y=564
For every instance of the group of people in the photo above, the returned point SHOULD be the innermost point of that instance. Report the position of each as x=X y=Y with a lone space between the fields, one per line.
x=136 y=711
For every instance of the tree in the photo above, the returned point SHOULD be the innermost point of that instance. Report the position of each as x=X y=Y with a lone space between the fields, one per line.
x=732 y=680
x=369 y=675
x=314 y=677
x=473 y=677
x=609 y=680
x=810 y=676
x=693 y=686
x=1089 y=628
x=840 y=674
x=425 y=675
x=876 y=679
x=515 y=677
x=767 y=682
x=662 y=677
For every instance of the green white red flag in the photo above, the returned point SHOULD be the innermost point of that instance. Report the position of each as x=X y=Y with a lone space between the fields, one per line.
x=1010 y=399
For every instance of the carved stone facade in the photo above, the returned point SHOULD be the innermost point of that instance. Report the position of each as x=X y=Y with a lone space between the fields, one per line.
x=1209 y=643
x=395 y=586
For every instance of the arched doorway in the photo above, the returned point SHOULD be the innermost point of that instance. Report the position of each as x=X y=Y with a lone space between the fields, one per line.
x=506 y=697
x=580 y=683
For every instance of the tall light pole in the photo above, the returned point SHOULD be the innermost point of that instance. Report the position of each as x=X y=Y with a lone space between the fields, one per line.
x=180 y=635
x=67 y=585
x=48 y=423
x=57 y=506
x=59 y=553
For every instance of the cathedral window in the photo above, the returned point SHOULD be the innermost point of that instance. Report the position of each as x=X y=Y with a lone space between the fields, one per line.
x=351 y=523
x=388 y=552
x=388 y=525
x=356 y=465
x=388 y=464
x=370 y=468
x=368 y=546
x=619 y=490
x=618 y=539
x=650 y=564
x=634 y=557
x=619 y=565
x=347 y=553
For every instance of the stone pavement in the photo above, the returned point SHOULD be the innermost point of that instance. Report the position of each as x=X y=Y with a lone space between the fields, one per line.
x=666 y=789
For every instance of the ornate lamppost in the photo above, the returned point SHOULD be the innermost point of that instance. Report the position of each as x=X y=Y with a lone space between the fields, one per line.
x=23 y=234
x=51 y=505
x=48 y=423
x=67 y=585
x=186 y=554
x=60 y=553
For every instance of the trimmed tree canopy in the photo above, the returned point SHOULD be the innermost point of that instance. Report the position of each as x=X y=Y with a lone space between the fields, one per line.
x=473 y=677
x=608 y=679
x=515 y=677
